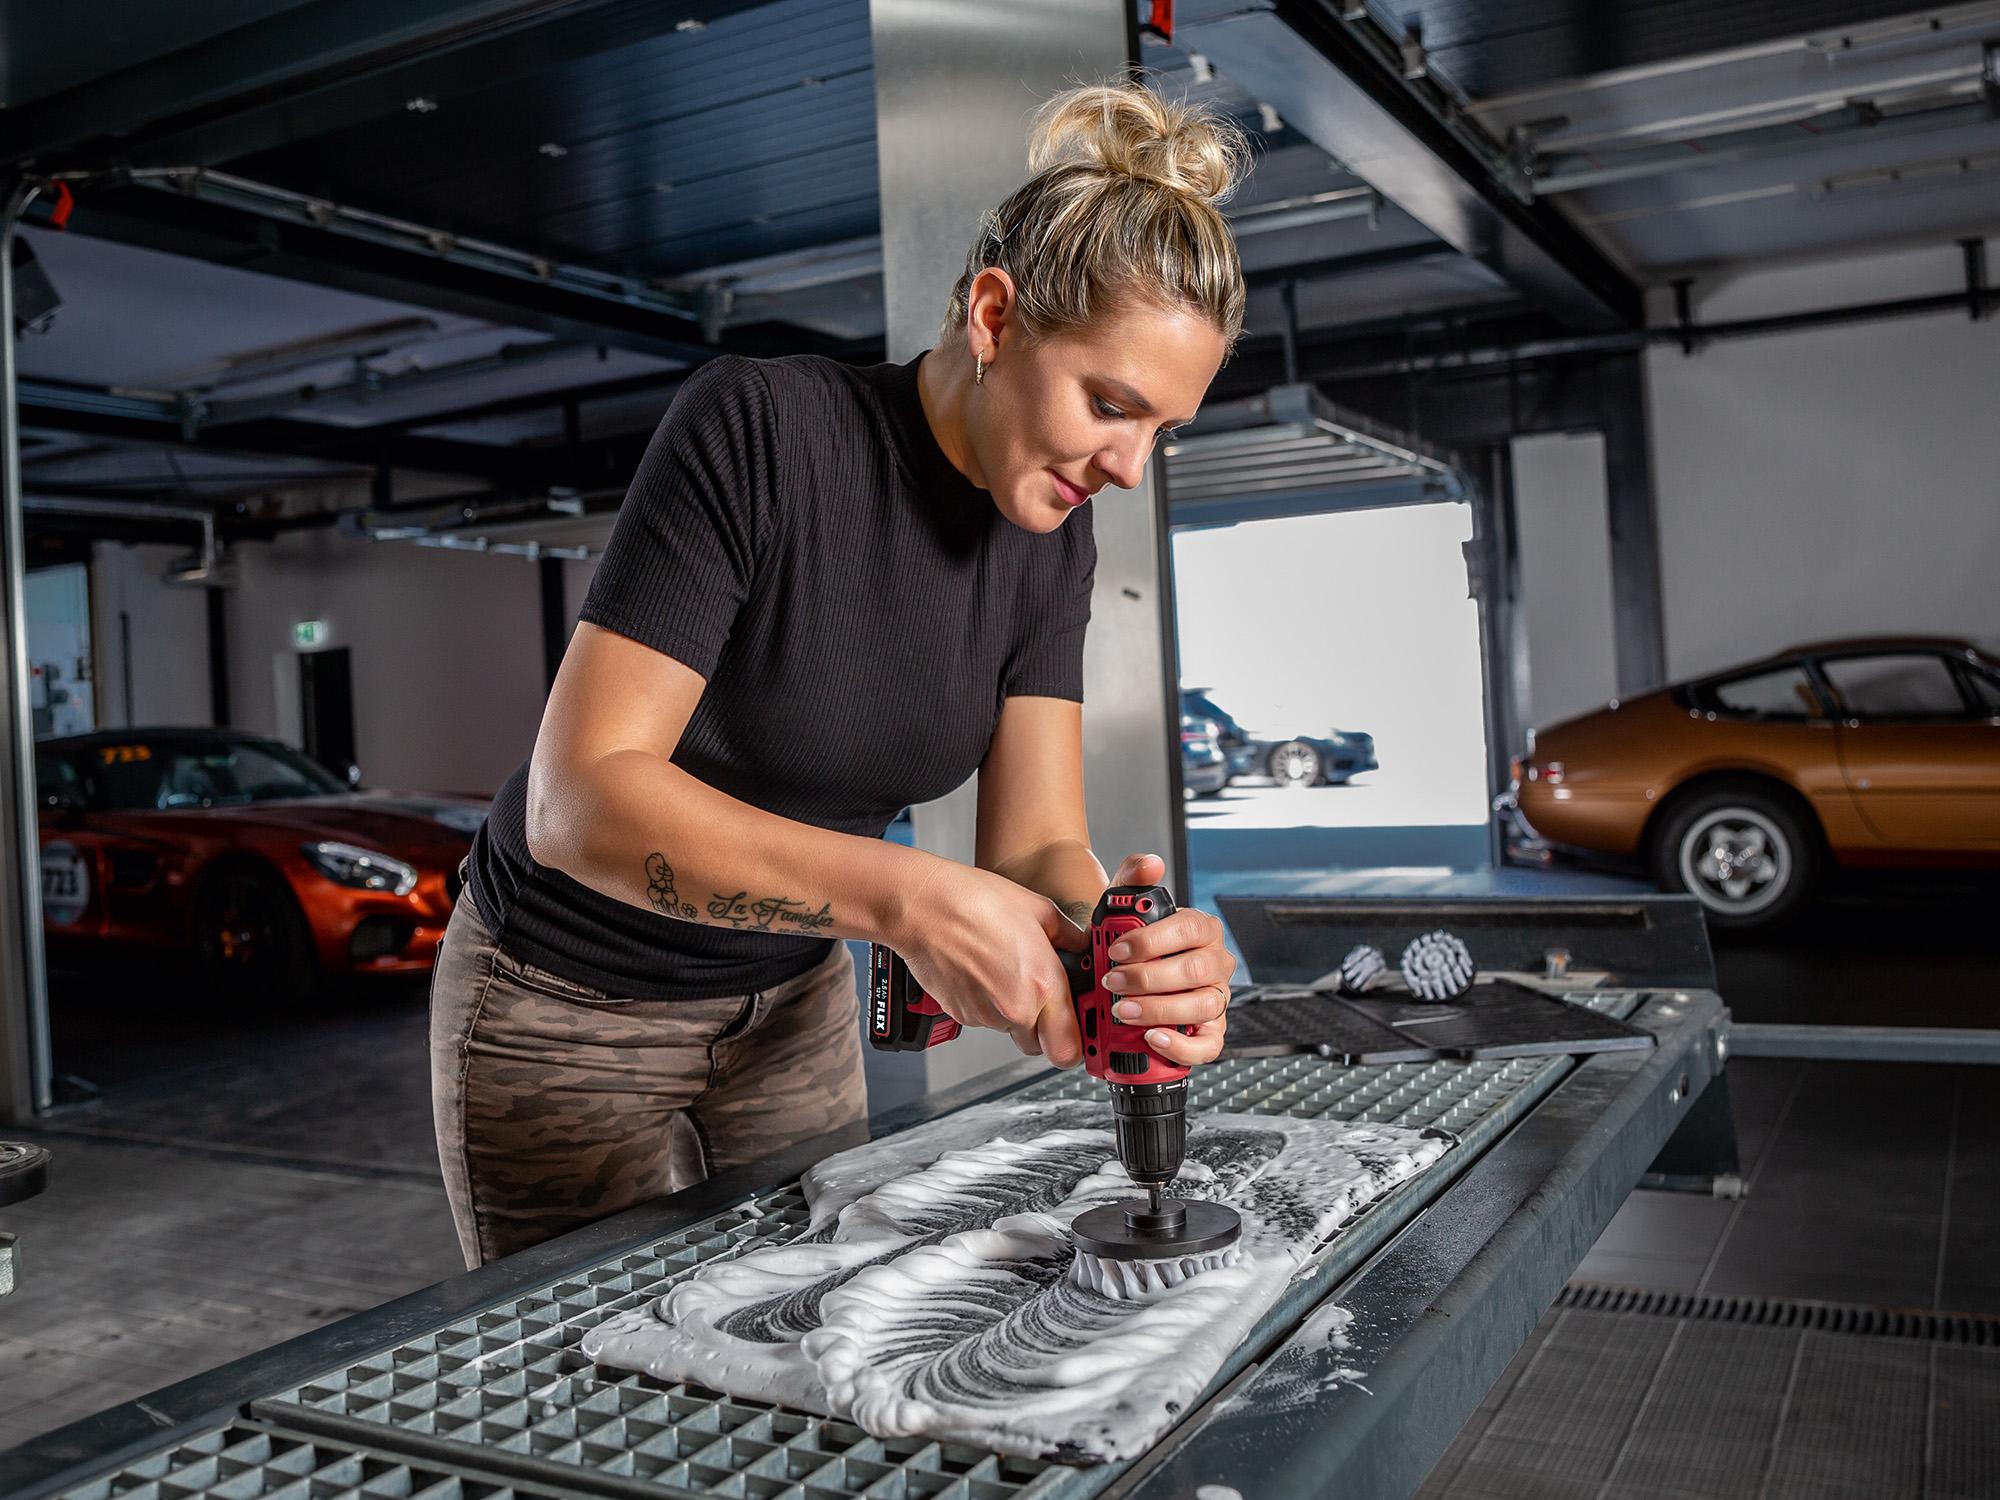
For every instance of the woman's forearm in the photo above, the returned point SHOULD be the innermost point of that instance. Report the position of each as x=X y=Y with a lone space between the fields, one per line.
x=639 y=829
x=1067 y=872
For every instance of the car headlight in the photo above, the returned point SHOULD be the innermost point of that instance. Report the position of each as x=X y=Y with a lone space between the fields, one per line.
x=363 y=869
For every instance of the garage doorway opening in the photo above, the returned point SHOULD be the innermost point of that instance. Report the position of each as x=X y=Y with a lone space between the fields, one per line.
x=1330 y=650
x=1345 y=648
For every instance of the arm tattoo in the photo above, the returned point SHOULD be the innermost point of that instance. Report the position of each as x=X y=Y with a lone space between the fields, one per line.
x=661 y=892
x=1078 y=911
x=770 y=913
x=764 y=914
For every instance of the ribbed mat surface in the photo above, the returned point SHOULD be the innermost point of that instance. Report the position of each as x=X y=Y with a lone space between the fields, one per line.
x=1721 y=1398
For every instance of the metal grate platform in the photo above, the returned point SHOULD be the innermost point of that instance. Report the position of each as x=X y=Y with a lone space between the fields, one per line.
x=245 y=1461
x=507 y=1393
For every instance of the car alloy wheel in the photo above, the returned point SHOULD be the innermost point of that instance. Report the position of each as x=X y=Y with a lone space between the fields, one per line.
x=251 y=938
x=1295 y=763
x=1736 y=860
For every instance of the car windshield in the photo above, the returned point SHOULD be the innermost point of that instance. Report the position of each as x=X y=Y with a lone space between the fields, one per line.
x=225 y=773
x=1985 y=687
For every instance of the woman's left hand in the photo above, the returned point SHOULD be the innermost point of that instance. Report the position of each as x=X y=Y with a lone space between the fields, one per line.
x=1172 y=973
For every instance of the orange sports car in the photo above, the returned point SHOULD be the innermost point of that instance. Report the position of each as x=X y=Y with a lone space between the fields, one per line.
x=270 y=869
x=1744 y=787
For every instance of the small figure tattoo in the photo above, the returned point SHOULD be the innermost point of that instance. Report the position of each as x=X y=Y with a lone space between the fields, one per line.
x=660 y=890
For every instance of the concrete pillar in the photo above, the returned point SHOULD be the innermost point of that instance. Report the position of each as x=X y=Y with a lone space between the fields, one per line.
x=1637 y=608
x=955 y=84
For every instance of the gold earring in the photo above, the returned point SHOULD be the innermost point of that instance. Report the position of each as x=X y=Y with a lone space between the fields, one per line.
x=978 y=369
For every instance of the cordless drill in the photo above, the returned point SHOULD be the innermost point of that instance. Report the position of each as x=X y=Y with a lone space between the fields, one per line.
x=1148 y=1092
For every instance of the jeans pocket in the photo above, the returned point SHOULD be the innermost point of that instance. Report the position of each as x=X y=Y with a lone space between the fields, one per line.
x=534 y=977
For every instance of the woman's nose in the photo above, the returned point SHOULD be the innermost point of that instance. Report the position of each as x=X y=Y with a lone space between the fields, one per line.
x=1124 y=466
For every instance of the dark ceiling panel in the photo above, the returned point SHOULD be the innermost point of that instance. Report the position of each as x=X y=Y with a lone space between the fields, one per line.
x=39 y=55
x=1493 y=47
x=661 y=233
x=768 y=112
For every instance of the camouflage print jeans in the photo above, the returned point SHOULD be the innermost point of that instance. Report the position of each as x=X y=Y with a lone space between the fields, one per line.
x=558 y=1105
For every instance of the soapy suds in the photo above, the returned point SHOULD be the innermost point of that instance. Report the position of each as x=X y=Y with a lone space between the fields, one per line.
x=935 y=1292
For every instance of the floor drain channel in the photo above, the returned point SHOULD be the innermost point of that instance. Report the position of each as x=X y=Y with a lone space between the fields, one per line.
x=1977 y=1330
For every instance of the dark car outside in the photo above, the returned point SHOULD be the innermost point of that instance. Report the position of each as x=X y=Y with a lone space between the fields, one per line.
x=1204 y=768
x=264 y=866
x=1331 y=759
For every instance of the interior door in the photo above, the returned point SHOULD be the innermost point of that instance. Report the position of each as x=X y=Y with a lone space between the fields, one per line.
x=1921 y=756
x=326 y=708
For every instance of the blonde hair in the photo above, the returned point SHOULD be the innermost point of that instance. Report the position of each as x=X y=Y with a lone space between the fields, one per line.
x=1122 y=209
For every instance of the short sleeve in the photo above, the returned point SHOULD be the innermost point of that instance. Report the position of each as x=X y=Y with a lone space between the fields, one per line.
x=684 y=548
x=1049 y=661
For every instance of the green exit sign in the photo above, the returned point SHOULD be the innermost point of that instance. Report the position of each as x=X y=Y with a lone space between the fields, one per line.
x=309 y=633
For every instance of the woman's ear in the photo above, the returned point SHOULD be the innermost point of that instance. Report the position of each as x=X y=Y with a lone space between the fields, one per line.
x=989 y=307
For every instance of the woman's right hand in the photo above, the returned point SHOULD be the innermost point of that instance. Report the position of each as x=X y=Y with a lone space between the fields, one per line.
x=985 y=949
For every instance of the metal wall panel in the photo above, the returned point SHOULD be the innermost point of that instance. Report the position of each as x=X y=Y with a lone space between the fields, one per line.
x=24 y=1014
x=955 y=84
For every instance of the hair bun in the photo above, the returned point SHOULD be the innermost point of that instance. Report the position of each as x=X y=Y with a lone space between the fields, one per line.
x=1129 y=129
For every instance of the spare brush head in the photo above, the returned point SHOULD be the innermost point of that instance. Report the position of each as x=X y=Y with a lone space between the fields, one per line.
x=1362 y=969
x=1136 y=1248
x=1437 y=966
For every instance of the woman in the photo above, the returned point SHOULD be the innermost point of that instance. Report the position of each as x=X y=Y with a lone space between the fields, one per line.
x=833 y=592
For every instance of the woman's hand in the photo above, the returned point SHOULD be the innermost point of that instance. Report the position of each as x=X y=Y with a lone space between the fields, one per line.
x=985 y=949
x=1176 y=973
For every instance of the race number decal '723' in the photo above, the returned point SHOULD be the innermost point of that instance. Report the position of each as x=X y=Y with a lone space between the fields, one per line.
x=65 y=883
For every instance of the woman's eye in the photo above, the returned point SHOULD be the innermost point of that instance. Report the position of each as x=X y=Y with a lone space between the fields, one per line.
x=1105 y=409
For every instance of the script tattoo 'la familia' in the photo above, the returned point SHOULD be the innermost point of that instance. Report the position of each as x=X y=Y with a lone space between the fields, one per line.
x=767 y=914
x=770 y=912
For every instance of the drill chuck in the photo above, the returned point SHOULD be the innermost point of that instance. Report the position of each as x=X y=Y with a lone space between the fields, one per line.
x=1151 y=1121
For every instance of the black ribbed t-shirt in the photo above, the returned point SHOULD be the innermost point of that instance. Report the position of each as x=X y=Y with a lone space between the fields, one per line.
x=859 y=610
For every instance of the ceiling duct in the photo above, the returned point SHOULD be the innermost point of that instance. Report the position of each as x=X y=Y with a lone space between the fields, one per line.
x=202 y=568
x=1291 y=451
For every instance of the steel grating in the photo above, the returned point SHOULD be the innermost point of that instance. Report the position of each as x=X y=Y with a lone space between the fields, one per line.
x=508 y=1391
x=244 y=1461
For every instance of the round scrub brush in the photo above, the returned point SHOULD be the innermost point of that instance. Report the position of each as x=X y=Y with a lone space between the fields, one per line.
x=1362 y=969
x=1437 y=966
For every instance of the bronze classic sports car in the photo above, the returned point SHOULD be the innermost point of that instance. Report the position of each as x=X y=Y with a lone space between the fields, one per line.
x=1743 y=788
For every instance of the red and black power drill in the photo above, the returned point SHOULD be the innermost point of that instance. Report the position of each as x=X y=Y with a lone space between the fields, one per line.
x=1148 y=1093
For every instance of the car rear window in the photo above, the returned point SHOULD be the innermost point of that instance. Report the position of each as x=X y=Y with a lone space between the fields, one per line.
x=1782 y=693
x=125 y=777
x=1911 y=685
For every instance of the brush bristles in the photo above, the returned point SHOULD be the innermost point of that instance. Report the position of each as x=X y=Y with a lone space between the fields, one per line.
x=1130 y=1280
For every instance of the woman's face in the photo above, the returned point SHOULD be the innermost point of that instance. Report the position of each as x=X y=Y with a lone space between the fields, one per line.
x=1058 y=420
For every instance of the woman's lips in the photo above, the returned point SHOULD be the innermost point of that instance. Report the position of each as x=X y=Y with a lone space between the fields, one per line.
x=1069 y=493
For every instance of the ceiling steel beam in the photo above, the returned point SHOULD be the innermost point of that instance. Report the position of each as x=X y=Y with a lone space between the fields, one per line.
x=222 y=235
x=1332 y=268
x=1338 y=91
x=318 y=67
x=49 y=407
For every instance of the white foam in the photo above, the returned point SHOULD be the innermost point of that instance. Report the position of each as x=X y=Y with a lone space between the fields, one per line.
x=919 y=1305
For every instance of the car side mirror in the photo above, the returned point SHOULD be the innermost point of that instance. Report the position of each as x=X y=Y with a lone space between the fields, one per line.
x=354 y=776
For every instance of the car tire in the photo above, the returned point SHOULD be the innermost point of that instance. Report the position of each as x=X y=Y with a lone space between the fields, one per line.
x=1749 y=855
x=252 y=940
x=1295 y=763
